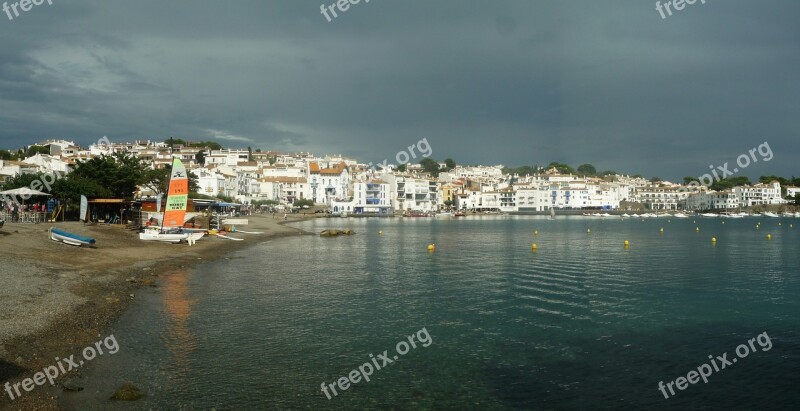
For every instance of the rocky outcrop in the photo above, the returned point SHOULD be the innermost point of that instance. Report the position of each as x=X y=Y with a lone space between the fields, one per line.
x=336 y=233
x=128 y=392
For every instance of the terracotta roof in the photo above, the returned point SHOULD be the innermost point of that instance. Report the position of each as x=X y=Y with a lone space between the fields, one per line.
x=313 y=167
x=334 y=171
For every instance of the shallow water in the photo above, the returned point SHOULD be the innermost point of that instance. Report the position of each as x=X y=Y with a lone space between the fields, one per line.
x=581 y=323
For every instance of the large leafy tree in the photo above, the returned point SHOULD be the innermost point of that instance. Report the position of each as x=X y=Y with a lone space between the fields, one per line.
x=158 y=180
x=120 y=172
x=430 y=165
x=587 y=170
x=72 y=187
x=34 y=150
x=562 y=168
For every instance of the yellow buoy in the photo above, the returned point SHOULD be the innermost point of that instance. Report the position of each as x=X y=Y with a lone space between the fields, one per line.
x=535 y=232
x=769 y=236
x=780 y=224
x=588 y=231
x=723 y=222
x=662 y=229
x=380 y=232
x=431 y=247
x=534 y=246
x=713 y=239
x=697 y=229
x=757 y=227
x=627 y=243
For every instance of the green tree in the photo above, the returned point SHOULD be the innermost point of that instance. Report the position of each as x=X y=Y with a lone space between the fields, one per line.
x=200 y=157
x=402 y=168
x=688 y=179
x=34 y=150
x=300 y=202
x=562 y=168
x=587 y=170
x=72 y=187
x=120 y=172
x=449 y=163
x=172 y=142
x=6 y=155
x=158 y=180
x=430 y=165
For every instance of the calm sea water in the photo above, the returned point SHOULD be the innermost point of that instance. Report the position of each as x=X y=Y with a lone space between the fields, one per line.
x=582 y=323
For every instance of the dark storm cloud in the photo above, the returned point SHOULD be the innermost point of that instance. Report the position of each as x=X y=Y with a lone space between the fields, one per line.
x=511 y=82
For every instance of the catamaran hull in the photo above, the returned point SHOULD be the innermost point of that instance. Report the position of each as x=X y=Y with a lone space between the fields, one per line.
x=190 y=238
x=164 y=238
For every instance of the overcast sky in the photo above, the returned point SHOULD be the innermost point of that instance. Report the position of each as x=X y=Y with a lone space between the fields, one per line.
x=491 y=82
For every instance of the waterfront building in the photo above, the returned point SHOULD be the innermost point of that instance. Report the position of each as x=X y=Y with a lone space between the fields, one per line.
x=329 y=183
x=759 y=194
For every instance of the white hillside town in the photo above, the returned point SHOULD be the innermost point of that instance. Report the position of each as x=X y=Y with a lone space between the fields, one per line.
x=344 y=185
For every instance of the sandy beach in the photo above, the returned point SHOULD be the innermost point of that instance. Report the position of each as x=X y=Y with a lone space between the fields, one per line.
x=56 y=298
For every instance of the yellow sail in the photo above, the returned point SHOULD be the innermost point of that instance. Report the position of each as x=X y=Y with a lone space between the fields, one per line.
x=177 y=196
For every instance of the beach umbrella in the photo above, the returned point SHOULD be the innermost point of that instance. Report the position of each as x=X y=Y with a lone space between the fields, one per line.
x=24 y=191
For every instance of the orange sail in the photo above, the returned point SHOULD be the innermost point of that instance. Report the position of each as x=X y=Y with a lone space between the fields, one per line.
x=177 y=196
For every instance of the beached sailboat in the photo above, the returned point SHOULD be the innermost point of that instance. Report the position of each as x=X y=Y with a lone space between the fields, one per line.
x=175 y=211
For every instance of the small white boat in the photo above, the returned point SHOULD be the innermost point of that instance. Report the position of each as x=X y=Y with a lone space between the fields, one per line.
x=773 y=215
x=680 y=215
x=626 y=215
x=444 y=214
x=709 y=215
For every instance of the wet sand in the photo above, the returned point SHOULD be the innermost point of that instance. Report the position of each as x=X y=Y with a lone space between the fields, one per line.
x=56 y=299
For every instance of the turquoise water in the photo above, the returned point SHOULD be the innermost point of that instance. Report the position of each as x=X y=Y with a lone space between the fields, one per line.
x=581 y=323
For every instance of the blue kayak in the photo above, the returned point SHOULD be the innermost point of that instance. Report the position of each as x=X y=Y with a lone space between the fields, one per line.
x=69 y=238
